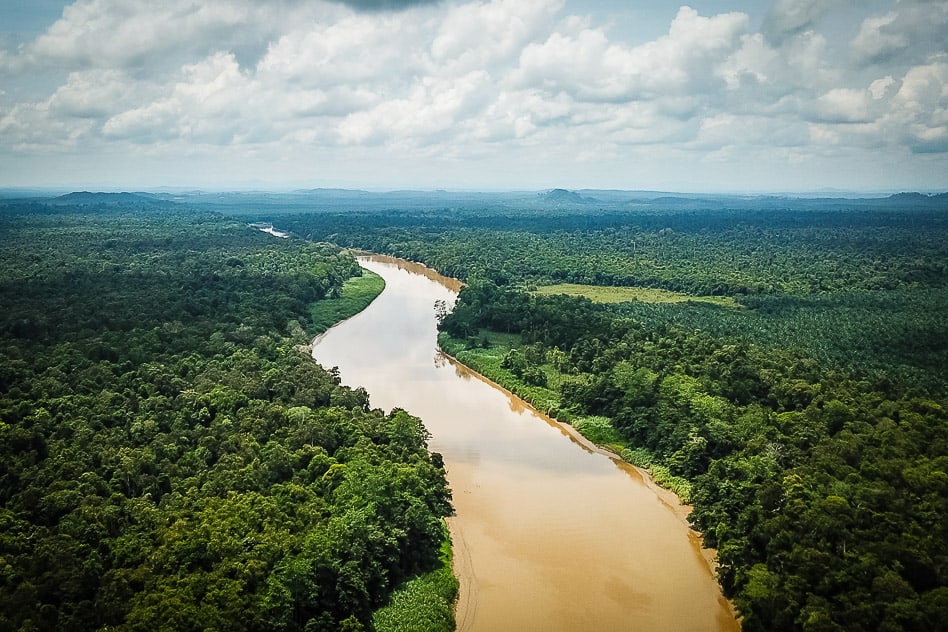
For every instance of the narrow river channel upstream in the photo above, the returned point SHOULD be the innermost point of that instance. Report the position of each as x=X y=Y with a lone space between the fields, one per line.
x=549 y=534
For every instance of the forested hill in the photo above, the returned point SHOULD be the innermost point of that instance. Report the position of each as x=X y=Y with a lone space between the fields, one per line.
x=168 y=458
x=784 y=368
x=126 y=200
x=266 y=203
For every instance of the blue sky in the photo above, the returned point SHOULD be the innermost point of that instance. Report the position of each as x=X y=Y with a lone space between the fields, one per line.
x=715 y=95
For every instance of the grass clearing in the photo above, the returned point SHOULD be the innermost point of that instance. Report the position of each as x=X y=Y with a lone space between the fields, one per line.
x=356 y=295
x=609 y=294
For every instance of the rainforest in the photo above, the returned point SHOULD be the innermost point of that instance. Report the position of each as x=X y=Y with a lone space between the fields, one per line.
x=805 y=420
x=171 y=460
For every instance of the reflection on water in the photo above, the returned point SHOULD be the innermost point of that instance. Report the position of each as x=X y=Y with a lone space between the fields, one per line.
x=550 y=533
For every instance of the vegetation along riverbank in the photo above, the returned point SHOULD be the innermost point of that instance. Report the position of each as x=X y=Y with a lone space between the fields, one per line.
x=168 y=455
x=808 y=428
x=169 y=460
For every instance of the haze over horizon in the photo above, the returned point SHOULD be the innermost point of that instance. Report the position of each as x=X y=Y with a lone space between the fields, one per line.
x=714 y=96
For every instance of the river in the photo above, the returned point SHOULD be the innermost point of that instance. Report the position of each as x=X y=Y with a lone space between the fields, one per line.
x=549 y=534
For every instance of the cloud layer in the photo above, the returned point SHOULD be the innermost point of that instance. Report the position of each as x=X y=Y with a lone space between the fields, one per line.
x=466 y=85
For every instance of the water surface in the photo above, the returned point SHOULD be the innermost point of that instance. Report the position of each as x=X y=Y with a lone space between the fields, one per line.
x=549 y=534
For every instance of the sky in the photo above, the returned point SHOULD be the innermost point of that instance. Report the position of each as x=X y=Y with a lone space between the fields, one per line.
x=712 y=96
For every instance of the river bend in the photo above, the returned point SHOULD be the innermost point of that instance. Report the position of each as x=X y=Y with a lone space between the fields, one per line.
x=549 y=535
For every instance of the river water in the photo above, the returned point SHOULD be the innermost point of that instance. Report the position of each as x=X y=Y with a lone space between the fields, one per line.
x=549 y=534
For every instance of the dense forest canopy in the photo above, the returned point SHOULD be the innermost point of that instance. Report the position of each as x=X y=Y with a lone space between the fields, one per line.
x=809 y=428
x=169 y=459
x=797 y=268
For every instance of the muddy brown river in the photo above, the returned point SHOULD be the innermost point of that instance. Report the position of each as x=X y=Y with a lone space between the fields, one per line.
x=549 y=534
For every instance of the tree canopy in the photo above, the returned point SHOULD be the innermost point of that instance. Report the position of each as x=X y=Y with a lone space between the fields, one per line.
x=809 y=428
x=169 y=460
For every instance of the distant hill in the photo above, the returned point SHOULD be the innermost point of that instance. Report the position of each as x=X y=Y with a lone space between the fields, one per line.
x=264 y=203
x=86 y=198
x=562 y=196
x=333 y=193
x=915 y=197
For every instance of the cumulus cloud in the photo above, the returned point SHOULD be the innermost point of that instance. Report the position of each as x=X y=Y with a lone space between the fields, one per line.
x=384 y=5
x=721 y=132
x=473 y=78
x=878 y=40
x=94 y=94
x=911 y=113
x=356 y=49
x=761 y=78
x=206 y=106
x=843 y=105
x=485 y=34
x=880 y=87
x=431 y=107
x=911 y=33
x=152 y=37
x=592 y=68
x=791 y=17
x=920 y=108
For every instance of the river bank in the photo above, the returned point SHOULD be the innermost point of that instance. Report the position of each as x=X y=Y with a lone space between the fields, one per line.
x=357 y=293
x=550 y=531
x=668 y=497
x=662 y=485
x=488 y=360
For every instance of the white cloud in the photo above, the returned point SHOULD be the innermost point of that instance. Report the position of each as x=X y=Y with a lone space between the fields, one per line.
x=876 y=39
x=590 y=67
x=920 y=108
x=432 y=107
x=748 y=66
x=744 y=133
x=209 y=105
x=383 y=5
x=483 y=34
x=520 y=114
x=910 y=114
x=843 y=105
x=154 y=37
x=880 y=87
x=297 y=80
x=93 y=94
x=791 y=17
x=912 y=32
x=354 y=50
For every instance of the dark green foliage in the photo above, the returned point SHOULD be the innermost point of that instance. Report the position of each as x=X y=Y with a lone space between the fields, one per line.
x=168 y=458
x=836 y=279
x=812 y=425
x=425 y=603
x=825 y=495
x=355 y=295
x=703 y=252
